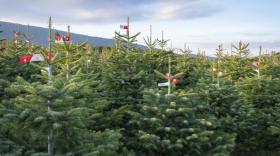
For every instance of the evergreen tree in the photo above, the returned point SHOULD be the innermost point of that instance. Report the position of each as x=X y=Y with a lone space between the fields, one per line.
x=173 y=125
x=127 y=41
x=149 y=41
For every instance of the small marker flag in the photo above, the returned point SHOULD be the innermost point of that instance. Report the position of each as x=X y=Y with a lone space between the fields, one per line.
x=175 y=81
x=25 y=59
x=168 y=75
x=37 y=58
x=58 y=38
x=124 y=26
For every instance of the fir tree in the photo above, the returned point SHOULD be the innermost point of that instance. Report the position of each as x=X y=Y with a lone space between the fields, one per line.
x=149 y=40
x=127 y=41
x=171 y=125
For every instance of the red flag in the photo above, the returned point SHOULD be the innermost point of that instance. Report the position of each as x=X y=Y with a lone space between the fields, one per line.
x=25 y=58
x=168 y=75
x=58 y=38
x=175 y=81
x=124 y=26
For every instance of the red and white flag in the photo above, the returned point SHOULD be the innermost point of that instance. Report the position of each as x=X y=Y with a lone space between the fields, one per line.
x=58 y=38
x=34 y=58
x=124 y=27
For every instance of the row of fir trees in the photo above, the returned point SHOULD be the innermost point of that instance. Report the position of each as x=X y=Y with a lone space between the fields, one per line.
x=106 y=101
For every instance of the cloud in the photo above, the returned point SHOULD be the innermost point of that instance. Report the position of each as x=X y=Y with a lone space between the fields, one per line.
x=107 y=11
x=182 y=10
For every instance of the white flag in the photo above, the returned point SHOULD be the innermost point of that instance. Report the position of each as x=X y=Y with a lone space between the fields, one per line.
x=163 y=84
x=37 y=57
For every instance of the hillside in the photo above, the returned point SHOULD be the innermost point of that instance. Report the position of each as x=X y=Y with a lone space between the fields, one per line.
x=39 y=34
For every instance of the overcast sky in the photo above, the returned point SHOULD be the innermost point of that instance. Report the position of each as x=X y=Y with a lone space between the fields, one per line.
x=200 y=23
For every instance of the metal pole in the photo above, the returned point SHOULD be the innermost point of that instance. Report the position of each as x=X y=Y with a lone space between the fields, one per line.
x=50 y=135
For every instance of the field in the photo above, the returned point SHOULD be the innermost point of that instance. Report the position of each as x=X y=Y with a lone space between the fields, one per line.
x=126 y=101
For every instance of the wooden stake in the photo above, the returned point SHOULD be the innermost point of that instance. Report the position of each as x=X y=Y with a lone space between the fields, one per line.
x=50 y=135
x=169 y=71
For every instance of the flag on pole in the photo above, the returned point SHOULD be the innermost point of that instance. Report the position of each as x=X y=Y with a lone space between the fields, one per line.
x=58 y=38
x=175 y=81
x=25 y=59
x=163 y=84
x=168 y=75
x=61 y=39
x=124 y=26
x=66 y=39
x=37 y=58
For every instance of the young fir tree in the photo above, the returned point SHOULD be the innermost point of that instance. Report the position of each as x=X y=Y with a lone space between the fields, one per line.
x=217 y=66
x=149 y=41
x=162 y=42
x=126 y=41
x=174 y=125
x=237 y=65
x=259 y=134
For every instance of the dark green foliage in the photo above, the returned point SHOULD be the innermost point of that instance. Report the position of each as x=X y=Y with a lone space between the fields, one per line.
x=170 y=125
x=260 y=132
x=106 y=102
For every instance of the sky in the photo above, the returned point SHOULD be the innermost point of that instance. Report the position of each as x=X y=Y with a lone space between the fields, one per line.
x=202 y=24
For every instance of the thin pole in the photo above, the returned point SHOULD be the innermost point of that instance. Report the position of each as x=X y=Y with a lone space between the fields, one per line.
x=151 y=37
x=127 y=33
x=151 y=33
x=162 y=40
x=169 y=71
x=185 y=51
x=231 y=49
x=115 y=40
x=67 y=57
x=50 y=135
x=259 y=59
x=27 y=37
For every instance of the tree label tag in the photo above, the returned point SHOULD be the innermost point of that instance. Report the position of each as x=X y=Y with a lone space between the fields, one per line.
x=163 y=84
